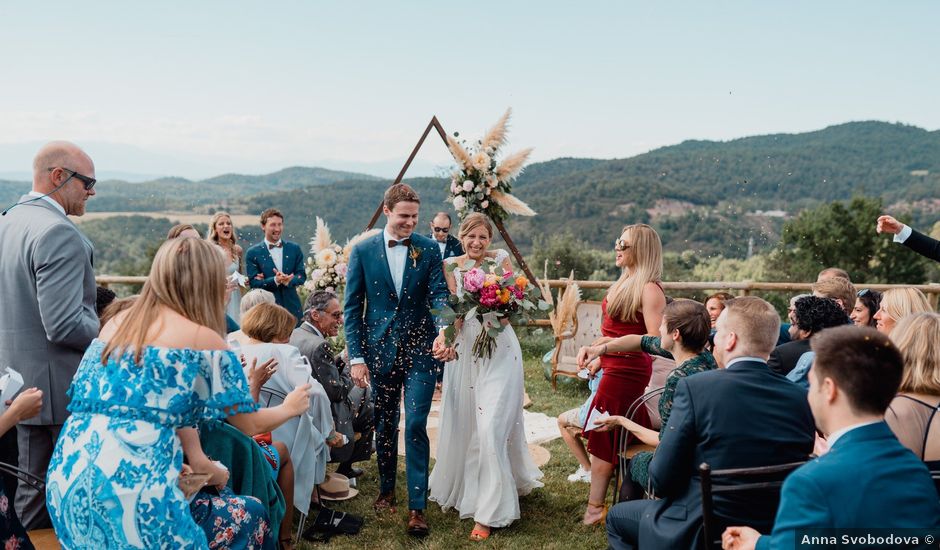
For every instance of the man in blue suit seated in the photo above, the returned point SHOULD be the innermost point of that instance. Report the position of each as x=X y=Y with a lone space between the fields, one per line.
x=275 y=265
x=867 y=479
x=742 y=415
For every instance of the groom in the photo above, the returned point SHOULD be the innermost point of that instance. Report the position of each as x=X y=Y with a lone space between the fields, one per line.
x=393 y=282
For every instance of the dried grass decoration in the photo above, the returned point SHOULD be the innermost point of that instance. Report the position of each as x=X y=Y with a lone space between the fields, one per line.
x=479 y=183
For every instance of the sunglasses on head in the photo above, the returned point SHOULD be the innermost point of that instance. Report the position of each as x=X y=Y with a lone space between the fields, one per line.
x=86 y=181
x=863 y=292
x=441 y=229
x=620 y=245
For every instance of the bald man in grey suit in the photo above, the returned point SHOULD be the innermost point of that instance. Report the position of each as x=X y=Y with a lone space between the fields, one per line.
x=48 y=315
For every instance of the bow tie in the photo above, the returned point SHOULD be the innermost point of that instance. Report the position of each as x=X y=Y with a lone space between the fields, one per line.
x=403 y=242
x=278 y=245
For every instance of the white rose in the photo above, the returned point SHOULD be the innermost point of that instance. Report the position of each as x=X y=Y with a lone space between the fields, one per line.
x=480 y=161
x=468 y=186
x=485 y=204
x=460 y=203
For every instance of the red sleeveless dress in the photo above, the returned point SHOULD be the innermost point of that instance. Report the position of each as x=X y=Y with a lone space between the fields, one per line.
x=626 y=376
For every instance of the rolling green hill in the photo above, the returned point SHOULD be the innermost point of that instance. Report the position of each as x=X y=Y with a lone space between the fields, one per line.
x=708 y=197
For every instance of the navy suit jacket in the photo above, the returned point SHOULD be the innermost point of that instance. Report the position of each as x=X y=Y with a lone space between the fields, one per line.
x=740 y=417
x=866 y=480
x=379 y=322
x=258 y=260
x=452 y=248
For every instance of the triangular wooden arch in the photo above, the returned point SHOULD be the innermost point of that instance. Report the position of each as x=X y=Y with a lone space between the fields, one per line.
x=435 y=124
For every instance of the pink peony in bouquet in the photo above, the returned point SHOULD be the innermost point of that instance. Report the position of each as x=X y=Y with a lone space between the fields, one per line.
x=492 y=295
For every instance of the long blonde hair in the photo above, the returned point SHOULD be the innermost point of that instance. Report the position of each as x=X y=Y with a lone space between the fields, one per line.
x=188 y=277
x=898 y=303
x=917 y=336
x=625 y=297
x=214 y=237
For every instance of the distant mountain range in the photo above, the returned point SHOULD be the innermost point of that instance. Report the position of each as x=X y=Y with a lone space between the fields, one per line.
x=705 y=196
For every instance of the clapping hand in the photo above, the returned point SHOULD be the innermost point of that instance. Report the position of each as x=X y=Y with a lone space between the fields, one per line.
x=282 y=278
x=887 y=224
x=25 y=405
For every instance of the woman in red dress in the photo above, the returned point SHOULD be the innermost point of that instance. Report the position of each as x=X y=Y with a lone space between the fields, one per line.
x=633 y=305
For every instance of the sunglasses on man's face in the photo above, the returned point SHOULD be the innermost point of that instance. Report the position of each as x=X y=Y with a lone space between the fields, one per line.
x=86 y=181
x=441 y=229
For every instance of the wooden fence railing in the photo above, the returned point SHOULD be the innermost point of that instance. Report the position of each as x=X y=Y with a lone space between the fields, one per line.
x=743 y=288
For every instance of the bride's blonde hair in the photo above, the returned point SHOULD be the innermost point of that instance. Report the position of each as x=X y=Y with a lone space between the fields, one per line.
x=471 y=222
x=188 y=277
x=624 y=299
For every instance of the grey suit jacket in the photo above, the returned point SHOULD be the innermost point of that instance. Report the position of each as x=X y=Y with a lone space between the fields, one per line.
x=47 y=317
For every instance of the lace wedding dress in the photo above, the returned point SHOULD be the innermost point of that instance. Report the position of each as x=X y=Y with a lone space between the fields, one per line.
x=483 y=463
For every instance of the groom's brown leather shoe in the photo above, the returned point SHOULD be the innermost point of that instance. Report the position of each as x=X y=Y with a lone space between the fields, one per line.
x=417 y=525
x=385 y=503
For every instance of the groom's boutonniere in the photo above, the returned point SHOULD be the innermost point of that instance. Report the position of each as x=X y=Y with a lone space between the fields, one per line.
x=415 y=254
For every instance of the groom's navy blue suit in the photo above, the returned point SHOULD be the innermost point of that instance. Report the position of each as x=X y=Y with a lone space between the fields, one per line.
x=394 y=334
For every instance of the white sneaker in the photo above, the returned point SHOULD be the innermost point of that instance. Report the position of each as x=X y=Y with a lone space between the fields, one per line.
x=580 y=475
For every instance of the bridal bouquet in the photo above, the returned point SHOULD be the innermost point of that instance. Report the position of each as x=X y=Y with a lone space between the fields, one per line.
x=326 y=265
x=480 y=184
x=491 y=295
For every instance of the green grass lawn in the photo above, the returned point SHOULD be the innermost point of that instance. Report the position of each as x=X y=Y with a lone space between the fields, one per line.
x=551 y=516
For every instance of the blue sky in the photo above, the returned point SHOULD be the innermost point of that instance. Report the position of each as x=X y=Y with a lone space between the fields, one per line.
x=200 y=88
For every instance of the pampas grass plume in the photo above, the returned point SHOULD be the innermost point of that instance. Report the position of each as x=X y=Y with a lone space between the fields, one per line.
x=496 y=137
x=511 y=203
x=512 y=165
x=461 y=154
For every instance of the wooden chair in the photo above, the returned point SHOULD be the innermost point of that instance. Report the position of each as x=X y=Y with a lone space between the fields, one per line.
x=42 y=539
x=586 y=329
x=766 y=480
x=626 y=451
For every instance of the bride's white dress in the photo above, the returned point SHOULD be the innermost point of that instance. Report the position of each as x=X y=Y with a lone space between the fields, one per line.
x=483 y=463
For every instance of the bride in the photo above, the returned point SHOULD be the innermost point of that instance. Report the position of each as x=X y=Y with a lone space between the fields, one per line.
x=483 y=463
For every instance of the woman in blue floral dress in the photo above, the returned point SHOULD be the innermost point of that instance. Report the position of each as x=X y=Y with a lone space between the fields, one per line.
x=160 y=367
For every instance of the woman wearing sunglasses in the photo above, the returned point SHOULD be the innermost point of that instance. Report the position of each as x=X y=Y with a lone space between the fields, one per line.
x=867 y=303
x=633 y=305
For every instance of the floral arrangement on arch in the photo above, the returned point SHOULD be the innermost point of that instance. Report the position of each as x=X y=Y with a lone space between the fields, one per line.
x=326 y=264
x=480 y=184
x=492 y=295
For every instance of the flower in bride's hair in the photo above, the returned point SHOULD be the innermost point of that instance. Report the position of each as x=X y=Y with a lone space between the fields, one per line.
x=473 y=279
x=460 y=203
x=326 y=257
x=480 y=161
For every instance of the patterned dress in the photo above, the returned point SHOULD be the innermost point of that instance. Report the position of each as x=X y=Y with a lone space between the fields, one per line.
x=231 y=521
x=12 y=534
x=640 y=463
x=113 y=476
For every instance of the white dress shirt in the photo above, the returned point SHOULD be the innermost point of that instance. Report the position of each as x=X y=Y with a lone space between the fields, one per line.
x=396 y=260
x=443 y=247
x=903 y=234
x=48 y=199
x=277 y=254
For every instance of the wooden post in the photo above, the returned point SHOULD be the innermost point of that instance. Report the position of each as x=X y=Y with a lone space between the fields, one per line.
x=440 y=130
x=435 y=124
